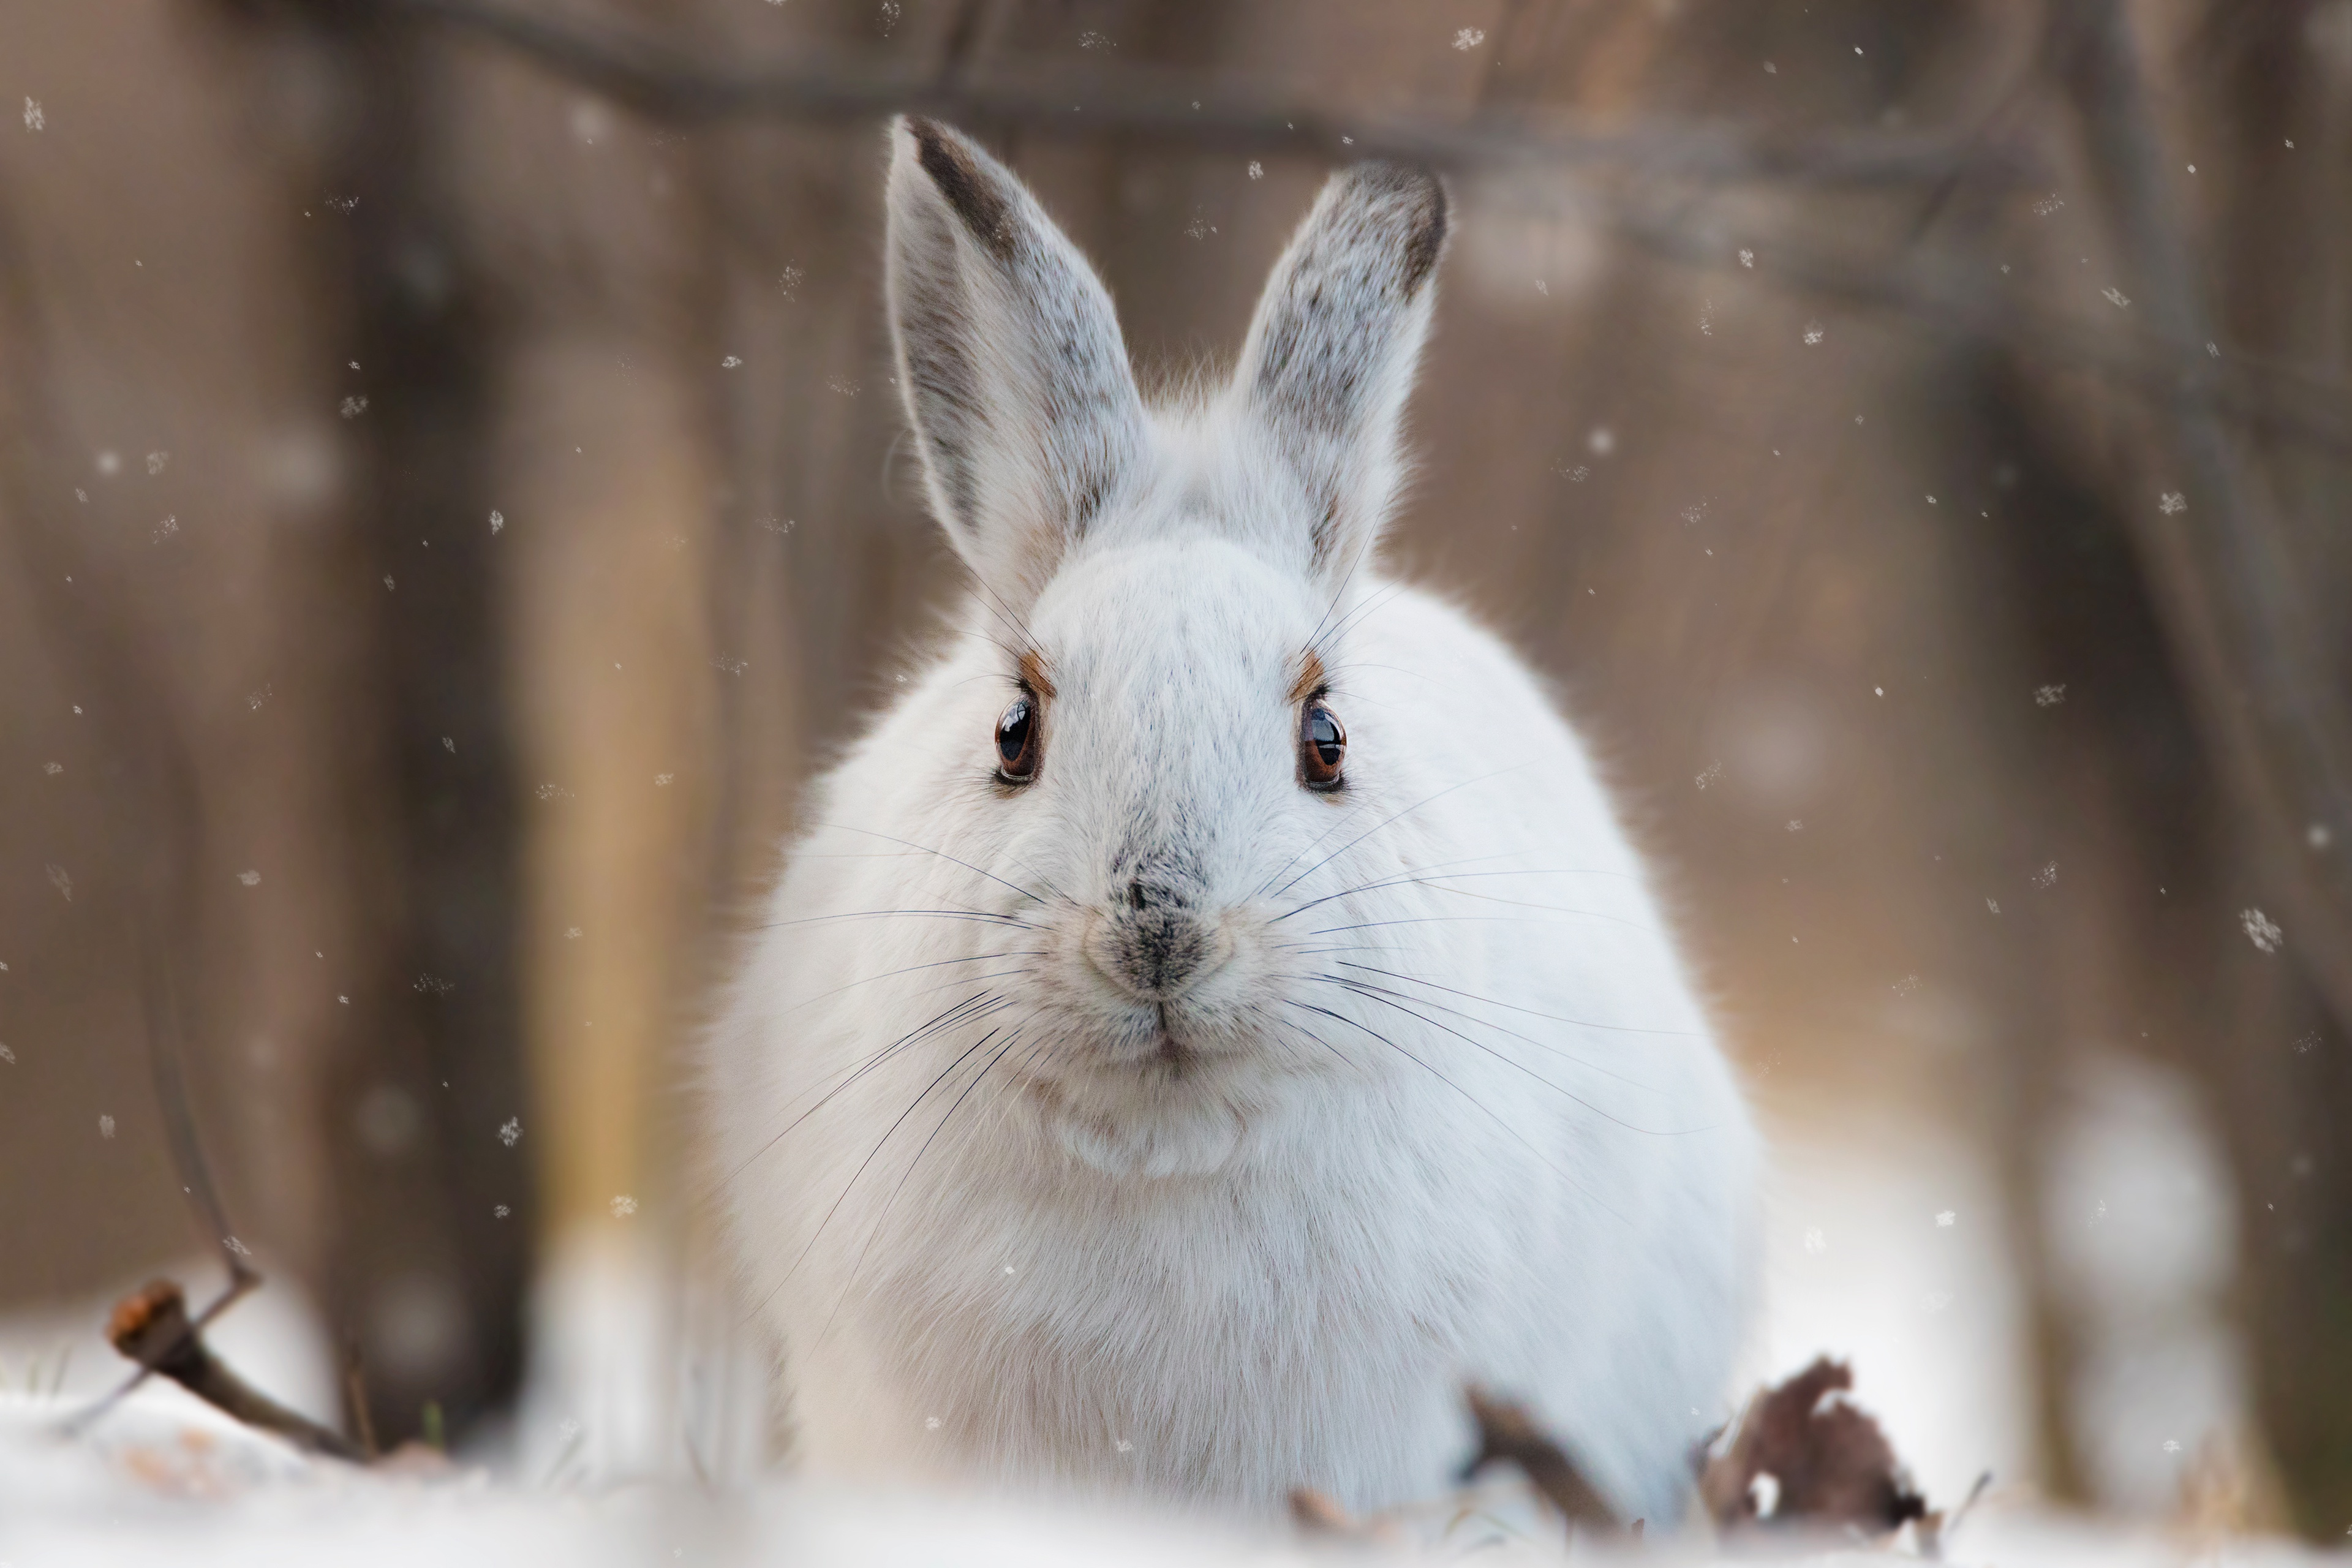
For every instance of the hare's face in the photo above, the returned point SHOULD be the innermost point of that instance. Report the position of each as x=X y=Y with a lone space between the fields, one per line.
x=1167 y=754
x=1175 y=786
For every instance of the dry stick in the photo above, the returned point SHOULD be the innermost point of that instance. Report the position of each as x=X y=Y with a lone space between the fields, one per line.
x=648 y=75
x=152 y=1327
x=1507 y=1432
x=2222 y=576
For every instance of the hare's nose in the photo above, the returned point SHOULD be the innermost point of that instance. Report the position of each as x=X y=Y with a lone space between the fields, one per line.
x=1154 y=947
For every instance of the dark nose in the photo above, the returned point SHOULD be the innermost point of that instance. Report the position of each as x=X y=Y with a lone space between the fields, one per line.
x=1154 y=945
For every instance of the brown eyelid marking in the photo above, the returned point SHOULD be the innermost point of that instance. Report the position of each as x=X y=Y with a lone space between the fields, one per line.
x=1034 y=676
x=1311 y=677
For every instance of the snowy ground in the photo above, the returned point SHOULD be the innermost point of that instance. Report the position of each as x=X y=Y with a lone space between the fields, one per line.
x=164 y=1480
x=1883 y=1248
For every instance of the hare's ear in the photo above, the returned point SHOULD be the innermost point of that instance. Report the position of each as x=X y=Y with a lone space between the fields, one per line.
x=1329 y=359
x=1010 y=359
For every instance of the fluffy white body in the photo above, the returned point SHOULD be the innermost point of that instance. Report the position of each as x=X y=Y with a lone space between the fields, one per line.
x=1158 y=1121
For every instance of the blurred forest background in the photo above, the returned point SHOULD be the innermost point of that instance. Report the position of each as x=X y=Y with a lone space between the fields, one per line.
x=452 y=494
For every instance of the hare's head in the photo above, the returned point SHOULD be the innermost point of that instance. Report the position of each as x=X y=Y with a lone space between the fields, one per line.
x=1171 y=591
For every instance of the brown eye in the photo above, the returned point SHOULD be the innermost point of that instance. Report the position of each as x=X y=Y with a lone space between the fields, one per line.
x=1322 y=747
x=1016 y=742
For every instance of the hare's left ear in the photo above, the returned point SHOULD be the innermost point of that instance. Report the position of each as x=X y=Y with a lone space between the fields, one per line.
x=1010 y=359
x=1329 y=359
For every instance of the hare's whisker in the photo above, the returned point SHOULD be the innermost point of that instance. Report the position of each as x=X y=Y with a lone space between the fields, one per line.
x=871 y=1155
x=1483 y=1108
x=985 y=916
x=1376 y=828
x=980 y=1002
x=1441 y=878
x=1386 y=999
x=927 y=849
x=1554 y=1017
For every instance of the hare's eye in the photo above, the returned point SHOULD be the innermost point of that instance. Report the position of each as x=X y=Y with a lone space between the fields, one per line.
x=1016 y=742
x=1322 y=747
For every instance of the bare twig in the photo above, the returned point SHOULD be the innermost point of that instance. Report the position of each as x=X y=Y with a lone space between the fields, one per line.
x=152 y=1327
x=2222 y=576
x=1506 y=1433
x=656 y=79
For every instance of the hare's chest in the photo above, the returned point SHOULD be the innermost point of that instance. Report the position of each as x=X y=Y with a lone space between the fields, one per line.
x=1224 y=1340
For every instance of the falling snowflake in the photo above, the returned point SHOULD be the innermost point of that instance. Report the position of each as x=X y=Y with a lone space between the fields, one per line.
x=1693 y=515
x=2047 y=877
x=730 y=666
x=502 y=1211
x=841 y=385
x=891 y=10
x=1815 y=1242
x=258 y=696
x=730 y=361
x=449 y=744
x=1993 y=905
x=354 y=407
x=2172 y=1445
x=250 y=878
x=1712 y=772
x=1603 y=440
x=1947 y=1218
x=2115 y=296
x=434 y=985
x=2171 y=501
x=1469 y=39
x=1091 y=40
x=1746 y=257
x=624 y=1206
x=155 y=461
x=1124 y=1446
x=1256 y=170
x=1907 y=986
x=2047 y=205
x=2261 y=930
x=1199 y=228
x=778 y=524
x=61 y=882
x=53 y=769
x=930 y=1423
x=571 y=933
x=388 y=582
x=663 y=780
x=552 y=792
x=511 y=1131
x=1814 y=333
x=7 y=1056
x=789 y=281
x=34 y=119
x=167 y=528
x=2304 y=1044
x=1796 y=825
x=106 y=1127
x=1706 y=319
x=234 y=1244
x=498 y=521
x=344 y=205
x=2050 y=696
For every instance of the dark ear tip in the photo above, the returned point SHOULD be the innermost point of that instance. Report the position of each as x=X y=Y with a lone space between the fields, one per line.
x=959 y=171
x=1425 y=217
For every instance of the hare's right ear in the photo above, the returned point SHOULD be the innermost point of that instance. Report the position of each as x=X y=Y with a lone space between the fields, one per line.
x=1329 y=358
x=1010 y=359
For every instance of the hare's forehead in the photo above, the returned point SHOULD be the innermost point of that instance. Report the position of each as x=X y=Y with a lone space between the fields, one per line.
x=1185 y=612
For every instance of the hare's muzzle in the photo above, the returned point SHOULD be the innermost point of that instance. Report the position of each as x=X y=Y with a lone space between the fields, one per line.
x=1153 y=946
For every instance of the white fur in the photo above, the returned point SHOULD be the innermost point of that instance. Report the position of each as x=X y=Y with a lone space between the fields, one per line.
x=1443 y=1107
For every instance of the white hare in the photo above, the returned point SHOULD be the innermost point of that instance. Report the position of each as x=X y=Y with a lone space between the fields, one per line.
x=1215 y=1014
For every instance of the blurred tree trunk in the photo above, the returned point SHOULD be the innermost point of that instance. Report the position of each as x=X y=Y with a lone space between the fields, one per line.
x=428 y=1256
